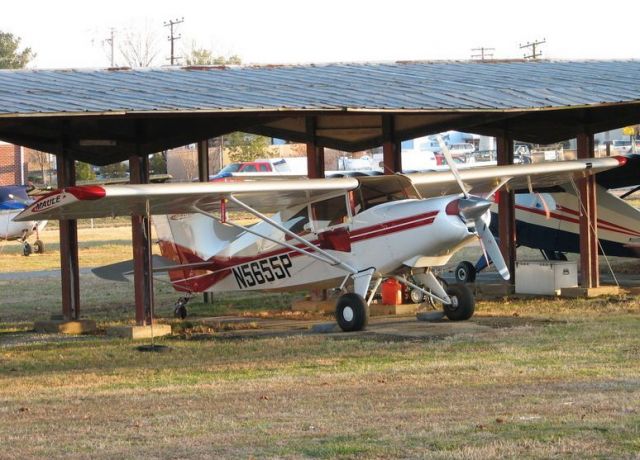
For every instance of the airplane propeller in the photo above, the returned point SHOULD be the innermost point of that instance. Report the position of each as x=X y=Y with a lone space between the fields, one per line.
x=474 y=208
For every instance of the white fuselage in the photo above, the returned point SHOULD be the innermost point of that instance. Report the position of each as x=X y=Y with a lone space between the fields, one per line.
x=385 y=237
x=10 y=230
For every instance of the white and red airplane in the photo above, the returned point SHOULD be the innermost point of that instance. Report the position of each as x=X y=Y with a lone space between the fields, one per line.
x=349 y=233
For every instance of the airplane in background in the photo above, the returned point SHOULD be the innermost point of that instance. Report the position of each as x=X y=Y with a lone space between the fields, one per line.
x=347 y=233
x=13 y=200
x=549 y=221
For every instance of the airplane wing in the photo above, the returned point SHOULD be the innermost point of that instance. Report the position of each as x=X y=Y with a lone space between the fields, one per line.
x=267 y=196
x=520 y=178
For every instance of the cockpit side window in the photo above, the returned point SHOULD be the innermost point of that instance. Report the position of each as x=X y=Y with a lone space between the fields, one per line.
x=330 y=212
x=298 y=223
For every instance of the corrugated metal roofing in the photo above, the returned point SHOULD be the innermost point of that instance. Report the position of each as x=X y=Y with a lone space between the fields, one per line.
x=420 y=86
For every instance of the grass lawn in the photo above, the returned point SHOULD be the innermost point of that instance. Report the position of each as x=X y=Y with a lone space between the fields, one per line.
x=544 y=379
x=549 y=379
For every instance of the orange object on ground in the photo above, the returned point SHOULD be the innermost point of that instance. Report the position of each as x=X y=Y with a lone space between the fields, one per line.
x=391 y=292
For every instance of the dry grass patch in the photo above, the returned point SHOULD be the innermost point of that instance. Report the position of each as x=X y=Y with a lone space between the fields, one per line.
x=97 y=246
x=553 y=378
x=568 y=386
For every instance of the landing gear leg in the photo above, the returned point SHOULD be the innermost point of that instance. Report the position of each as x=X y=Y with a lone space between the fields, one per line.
x=180 y=310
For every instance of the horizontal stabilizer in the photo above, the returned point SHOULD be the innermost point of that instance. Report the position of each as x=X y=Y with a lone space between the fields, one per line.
x=120 y=270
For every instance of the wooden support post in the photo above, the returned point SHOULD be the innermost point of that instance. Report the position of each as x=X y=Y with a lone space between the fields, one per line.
x=315 y=154
x=69 y=266
x=203 y=176
x=589 y=270
x=203 y=161
x=506 y=209
x=315 y=170
x=391 y=150
x=141 y=236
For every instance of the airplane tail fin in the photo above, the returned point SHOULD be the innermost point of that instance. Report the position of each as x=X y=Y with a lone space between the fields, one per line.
x=188 y=240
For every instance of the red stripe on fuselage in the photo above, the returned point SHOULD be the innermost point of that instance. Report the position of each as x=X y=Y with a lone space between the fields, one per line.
x=221 y=267
x=602 y=224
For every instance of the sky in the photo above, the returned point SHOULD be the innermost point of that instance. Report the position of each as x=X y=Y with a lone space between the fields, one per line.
x=71 y=33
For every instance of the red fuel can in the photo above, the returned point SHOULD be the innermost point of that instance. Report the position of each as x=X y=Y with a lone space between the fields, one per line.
x=391 y=292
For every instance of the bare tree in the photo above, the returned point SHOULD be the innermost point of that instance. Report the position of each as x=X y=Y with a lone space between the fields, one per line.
x=139 y=48
x=42 y=160
x=189 y=161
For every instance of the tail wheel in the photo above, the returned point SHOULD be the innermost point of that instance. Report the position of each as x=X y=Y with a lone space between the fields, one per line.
x=38 y=247
x=465 y=272
x=462 y=303
x=352 y=312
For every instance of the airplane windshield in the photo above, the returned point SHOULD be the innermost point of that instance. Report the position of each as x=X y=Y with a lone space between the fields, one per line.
x=382 y=189
x=18 y=191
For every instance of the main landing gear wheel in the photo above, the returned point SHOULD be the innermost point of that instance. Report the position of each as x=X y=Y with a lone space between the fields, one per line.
x=462 y=303
x=352 y=312
x=180 y=310
x=38 y=247
x=27 y=250
x=465 y=272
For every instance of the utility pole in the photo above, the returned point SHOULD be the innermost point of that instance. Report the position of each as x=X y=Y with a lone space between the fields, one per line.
x=111 y=41
x=534 y=53
x=173 y=37
x=483 y=53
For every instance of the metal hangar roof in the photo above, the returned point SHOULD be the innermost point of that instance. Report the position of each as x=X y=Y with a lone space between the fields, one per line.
x=101 y=116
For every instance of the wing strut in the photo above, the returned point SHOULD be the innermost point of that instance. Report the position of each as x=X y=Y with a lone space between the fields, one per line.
x=328 y=258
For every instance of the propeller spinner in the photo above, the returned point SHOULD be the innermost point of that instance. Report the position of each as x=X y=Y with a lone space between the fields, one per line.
x=472 y=209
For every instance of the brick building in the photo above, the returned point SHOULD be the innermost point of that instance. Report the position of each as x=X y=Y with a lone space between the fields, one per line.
x=13 y=164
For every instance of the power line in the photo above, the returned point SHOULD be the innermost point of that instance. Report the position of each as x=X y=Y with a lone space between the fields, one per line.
x=173 y=37
x=535 y=54
x=483 y=53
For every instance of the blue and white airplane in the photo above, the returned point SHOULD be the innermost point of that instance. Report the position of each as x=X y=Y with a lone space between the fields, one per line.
x=13 y=200
x=550 y=221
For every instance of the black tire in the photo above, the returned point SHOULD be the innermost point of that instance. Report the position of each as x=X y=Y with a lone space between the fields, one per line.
x=38 y=247
x=463 y=303
x=352 y=312
x=417 y=296
x=465 y=272
x=26 y=249
x=180 y=312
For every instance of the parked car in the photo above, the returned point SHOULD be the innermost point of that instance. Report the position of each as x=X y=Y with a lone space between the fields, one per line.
x=257 y=166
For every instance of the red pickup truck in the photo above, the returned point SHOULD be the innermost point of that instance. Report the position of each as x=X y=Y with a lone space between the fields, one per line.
x=257 y=166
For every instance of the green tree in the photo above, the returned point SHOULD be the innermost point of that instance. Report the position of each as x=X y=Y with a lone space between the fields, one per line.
x=202 y=56
x=247 y=147
x=115 y=170
x=10 y=56
x=84 y=171
x=158 y=163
